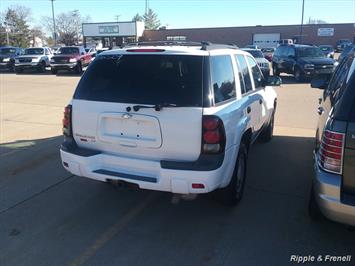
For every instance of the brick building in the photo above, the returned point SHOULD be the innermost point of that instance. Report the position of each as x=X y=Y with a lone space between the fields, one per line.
x=312 y=33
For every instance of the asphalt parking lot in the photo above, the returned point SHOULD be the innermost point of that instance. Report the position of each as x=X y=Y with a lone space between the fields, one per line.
x=50 y=217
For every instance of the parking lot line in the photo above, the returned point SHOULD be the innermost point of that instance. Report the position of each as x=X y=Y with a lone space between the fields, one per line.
x=112 y=231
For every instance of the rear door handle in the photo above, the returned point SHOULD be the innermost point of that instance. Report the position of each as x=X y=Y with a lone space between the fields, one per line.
x=248 y=109
x=320 y=110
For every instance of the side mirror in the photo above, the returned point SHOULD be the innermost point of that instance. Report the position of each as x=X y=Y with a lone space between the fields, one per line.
x=273 y=81
x=319 y=83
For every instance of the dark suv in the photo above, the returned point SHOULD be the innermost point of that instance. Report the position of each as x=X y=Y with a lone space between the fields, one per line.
x=333 y=190
x=7 y=57
x=303 y=61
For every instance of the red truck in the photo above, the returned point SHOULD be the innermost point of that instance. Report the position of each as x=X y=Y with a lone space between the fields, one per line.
x=70 y=58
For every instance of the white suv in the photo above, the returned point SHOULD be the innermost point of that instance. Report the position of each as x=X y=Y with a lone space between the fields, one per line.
x=176 y=118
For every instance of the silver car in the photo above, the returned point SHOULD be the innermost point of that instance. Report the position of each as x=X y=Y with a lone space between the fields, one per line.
x=33 y=58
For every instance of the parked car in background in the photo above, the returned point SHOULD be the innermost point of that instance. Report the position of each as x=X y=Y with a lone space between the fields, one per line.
x=7 y=57
x=90 y=51
x=341 y=44
x=99 y=51
x=251 y=46
x=333 y=190
x=303 y=61
x=70 y=58
x=169 y=118
x=55 y=49
x=262 y=62
x=327 y=50
x=33 y=58
x=268 y=53
x=348 y=49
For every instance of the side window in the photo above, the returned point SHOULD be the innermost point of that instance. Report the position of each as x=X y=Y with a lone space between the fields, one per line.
x=241 y=78
x=245 y=71
x=47 y=52
x=257 y=76
x=222 y=78
x=337 y=84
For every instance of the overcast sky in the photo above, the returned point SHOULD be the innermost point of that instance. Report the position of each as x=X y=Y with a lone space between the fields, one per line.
x=199 y=13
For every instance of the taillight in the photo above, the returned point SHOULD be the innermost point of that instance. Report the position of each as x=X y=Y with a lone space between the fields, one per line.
x=330 y=155
x=213 y=135
x=67 y=129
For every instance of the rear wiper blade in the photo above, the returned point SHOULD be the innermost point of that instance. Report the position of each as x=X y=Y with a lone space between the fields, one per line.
x=157 y=107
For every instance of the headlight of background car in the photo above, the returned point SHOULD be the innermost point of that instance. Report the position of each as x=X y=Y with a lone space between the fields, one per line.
x=17 y=61
x=336 y=63
x=35 y=60
x=51 y=61
x=6 y=60
x=72 y=60
x=308 y=66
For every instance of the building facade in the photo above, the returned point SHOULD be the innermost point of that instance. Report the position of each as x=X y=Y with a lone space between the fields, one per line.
x=111 y=34
x=260 y=35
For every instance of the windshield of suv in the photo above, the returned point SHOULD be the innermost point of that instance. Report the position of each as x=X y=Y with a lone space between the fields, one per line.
x=256 y=53
x=268 y=50
x=326 y=48
x=7 y=51
x=309 y=52
x=34 y=51
x=143 y=79
x=68 y=50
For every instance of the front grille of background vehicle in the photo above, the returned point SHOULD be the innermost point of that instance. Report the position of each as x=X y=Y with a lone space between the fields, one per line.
x=61 y=60
x=25 y=60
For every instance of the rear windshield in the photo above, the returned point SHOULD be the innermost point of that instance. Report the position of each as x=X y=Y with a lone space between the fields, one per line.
x=143 y=79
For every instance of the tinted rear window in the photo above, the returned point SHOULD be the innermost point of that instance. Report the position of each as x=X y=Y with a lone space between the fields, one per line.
x=144 y=79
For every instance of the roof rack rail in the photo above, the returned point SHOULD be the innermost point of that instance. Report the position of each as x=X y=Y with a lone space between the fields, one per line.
x=162 y=43
x=205 y=45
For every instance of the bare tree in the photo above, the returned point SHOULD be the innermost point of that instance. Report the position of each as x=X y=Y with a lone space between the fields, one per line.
x=68 y=26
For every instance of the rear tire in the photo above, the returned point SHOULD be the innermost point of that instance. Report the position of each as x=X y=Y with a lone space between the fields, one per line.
x=233 y=193
x=268 y=132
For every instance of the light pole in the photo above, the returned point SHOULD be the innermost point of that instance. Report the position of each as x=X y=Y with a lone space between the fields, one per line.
x=7 y=30
x=54 y=29
x=146 y=6
x=301 y=31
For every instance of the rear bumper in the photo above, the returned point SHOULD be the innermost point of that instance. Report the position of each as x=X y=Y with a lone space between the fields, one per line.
x=327 y=189
x=146 y=174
